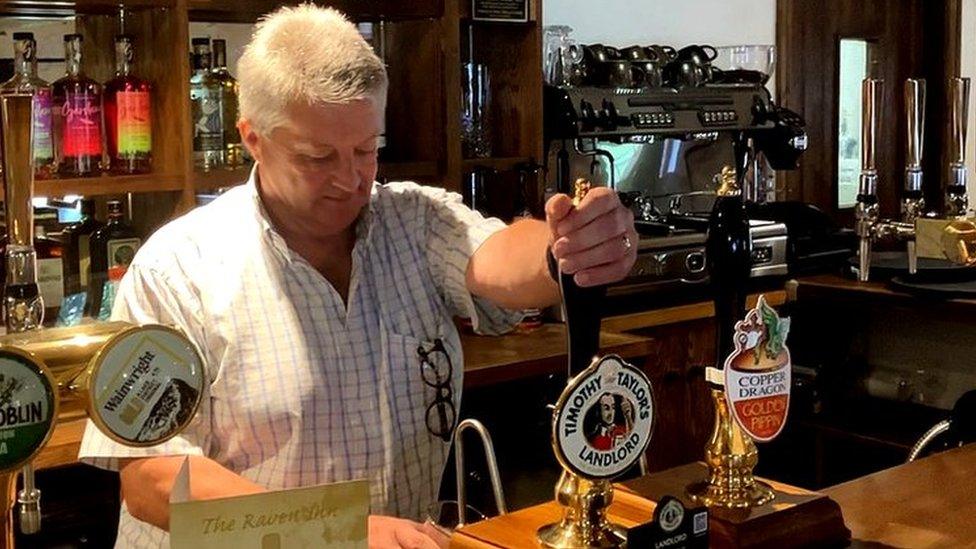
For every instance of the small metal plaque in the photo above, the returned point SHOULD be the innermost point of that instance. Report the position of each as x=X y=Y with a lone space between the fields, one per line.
x=674 y=526
x=28 y=408
x=145 y=386
x=757 y=373
x=508 y=11
x=603 y=420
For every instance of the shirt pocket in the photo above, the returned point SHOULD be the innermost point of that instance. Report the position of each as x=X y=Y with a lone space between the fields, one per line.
x=413 y=387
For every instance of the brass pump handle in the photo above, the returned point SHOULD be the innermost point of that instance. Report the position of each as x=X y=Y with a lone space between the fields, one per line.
x=915 y=114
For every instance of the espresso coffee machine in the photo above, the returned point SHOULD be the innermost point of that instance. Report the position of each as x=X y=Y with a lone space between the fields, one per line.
x=667 y=145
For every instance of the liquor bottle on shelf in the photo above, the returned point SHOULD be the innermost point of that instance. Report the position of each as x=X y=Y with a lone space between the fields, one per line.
x=128 y=114
x=25 y=80
x=233 y=151
x=77 y=116
x=50 y=273
x=77 y=255
x=112 y=248
x=206 y=115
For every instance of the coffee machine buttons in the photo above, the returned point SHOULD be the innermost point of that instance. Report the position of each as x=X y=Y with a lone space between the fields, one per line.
x=608 y=116
x=717 y=118
x=652 y=119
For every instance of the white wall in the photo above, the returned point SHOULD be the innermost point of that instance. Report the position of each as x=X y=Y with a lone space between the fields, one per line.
x=671 y=22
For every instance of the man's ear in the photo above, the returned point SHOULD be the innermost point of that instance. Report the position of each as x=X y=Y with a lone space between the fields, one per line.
x=250 y=138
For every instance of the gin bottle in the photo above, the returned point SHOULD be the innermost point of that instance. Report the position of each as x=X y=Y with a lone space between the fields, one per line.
x=233 y=156
x=77 y=116
x=205 y=111
x=25 y=80
x=128 y=114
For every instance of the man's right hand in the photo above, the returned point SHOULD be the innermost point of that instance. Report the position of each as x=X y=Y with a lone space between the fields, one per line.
x=397 y=533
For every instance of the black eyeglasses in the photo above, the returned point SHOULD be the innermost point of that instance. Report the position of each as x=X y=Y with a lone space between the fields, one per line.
x=436 y=370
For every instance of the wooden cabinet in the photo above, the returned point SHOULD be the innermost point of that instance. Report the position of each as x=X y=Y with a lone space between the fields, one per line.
x=423 y=44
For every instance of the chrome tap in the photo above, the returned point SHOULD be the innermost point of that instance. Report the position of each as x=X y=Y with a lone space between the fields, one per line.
x=868 y=225
x=957 y=201
x=913 y=203
x=496 y=482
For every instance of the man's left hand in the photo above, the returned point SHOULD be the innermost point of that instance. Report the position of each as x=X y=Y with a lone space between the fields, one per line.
x=596 y=241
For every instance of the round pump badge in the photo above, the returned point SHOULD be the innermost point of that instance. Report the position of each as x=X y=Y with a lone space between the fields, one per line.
x=28 y=408
x=145 y=385
x=603 y=420
x=757 y=373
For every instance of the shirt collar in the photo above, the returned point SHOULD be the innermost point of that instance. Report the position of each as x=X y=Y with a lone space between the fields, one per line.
x=364 y=223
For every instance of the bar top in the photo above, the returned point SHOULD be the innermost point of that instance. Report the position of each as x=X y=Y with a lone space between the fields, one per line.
x=926 y=503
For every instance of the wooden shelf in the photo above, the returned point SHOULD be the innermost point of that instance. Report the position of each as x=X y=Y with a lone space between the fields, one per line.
x=65 y=8
x=109 y=184
x=497 y=163
x=229 y=11
x=215 y=179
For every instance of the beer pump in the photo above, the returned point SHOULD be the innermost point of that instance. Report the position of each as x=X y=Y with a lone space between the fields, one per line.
x=141 y=385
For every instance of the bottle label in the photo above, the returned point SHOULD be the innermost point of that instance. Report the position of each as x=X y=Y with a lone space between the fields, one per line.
x=50 y=281
x=43 y=144
x=120 y=254
x=84 y=259
x=82 y=114
x=135 y=129
x=207 y=123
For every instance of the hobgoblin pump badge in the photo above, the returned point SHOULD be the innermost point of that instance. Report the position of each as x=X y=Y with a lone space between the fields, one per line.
x=28 y=409
x=757 y=373
x=146 y=385
x=603 y=420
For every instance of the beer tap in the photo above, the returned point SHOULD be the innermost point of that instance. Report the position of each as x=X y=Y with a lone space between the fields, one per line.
x=23 y=307
x=868 y=226
x=957 y=201
x=913 y=202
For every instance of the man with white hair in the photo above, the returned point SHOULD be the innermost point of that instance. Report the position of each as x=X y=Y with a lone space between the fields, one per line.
x=323 y=302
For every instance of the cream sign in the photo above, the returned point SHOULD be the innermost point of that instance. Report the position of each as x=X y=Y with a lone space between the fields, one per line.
x=603 y=420
x=757 y=373
x=146 y=385
x=329 y=516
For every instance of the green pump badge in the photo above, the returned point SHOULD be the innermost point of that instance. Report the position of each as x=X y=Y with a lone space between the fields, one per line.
x=145 y=385
x=603 y=419
x=28 y=408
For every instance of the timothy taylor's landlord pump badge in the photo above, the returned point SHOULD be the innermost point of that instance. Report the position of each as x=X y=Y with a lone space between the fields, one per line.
x=757 y=373
x=28 y=408
x=603 y=419
x=146 y=384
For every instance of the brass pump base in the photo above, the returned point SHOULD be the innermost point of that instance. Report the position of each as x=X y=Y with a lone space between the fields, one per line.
x=730 y=455
x=584 y=524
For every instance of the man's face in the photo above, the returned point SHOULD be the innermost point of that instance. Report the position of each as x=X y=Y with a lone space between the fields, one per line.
x=606 y=410
x=317 y=169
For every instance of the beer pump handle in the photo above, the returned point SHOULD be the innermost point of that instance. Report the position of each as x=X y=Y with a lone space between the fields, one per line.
x=582 y=311
x=871 y=96
x=729 y=253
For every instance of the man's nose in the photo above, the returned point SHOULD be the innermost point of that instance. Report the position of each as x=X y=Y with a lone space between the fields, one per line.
x=346 y=177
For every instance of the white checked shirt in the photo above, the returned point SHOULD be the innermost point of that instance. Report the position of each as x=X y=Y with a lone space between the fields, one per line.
x=304 y=389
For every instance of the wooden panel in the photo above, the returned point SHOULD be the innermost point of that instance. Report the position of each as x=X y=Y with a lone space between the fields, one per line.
x=68 y=8
x=901 y=33
x=359 y=10
x=90 y=186
x=415 y=104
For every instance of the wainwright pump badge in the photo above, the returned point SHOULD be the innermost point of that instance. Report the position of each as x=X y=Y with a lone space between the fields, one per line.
x=603 y=419
x=757 y=373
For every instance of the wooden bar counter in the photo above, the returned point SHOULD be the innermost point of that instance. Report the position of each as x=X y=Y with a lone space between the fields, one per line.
x=924 y=504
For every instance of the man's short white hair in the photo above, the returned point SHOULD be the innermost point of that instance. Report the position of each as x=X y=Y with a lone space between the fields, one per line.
x=305 y=54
